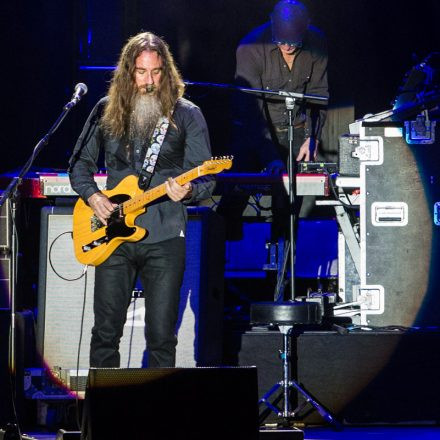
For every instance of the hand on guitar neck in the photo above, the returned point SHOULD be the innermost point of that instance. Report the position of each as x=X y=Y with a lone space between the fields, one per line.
x=101 y=206
x=178 y=192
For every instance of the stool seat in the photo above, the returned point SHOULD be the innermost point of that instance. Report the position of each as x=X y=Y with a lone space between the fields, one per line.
x=286 y=313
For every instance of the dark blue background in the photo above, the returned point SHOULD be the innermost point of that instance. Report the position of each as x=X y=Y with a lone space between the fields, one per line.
x=45 y=42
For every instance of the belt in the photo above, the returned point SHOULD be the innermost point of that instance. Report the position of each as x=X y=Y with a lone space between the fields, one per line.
x=284 y=128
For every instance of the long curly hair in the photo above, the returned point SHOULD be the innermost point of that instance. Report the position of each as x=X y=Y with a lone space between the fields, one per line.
x=116 y=115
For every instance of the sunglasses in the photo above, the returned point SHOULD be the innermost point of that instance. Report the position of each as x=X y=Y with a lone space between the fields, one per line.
x=288 y=43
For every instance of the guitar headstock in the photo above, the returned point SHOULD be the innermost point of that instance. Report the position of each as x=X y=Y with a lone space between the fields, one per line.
x=216 y=165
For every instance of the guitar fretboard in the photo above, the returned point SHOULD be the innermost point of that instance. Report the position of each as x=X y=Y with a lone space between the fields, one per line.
x=155 y=193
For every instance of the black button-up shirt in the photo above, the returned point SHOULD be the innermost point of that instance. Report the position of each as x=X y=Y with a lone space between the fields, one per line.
x=186 y=145
x=260 y=65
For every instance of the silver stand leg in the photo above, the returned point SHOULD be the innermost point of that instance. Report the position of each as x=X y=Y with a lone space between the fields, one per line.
x=287 y=384
x=286 y=371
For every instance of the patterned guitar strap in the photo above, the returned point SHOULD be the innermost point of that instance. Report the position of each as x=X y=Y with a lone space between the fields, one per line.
x=153 y=151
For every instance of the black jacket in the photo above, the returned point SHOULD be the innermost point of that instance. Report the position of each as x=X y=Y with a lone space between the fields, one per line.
x=185 y=146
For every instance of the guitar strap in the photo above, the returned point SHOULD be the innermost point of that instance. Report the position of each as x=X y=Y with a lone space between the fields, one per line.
x=153 y=151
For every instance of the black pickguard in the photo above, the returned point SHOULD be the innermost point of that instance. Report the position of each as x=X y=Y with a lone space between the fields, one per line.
x=116 y=226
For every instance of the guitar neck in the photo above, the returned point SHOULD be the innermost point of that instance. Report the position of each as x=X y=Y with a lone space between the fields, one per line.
x=157 y=192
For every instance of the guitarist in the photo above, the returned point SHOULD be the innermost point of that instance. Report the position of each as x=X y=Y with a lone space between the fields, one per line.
x=129 y=127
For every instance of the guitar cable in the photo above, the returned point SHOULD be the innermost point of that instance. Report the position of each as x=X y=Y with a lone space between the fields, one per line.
x=81 y=328
x=50 y=259
x=83 y=274
x=133 y=320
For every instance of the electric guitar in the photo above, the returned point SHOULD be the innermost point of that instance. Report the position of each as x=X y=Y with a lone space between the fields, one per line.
x=94 y=242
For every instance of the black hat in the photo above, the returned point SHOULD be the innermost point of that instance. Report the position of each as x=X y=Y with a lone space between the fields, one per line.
x=290 y=21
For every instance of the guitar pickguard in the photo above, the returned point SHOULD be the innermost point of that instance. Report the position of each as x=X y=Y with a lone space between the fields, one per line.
x=116 y=226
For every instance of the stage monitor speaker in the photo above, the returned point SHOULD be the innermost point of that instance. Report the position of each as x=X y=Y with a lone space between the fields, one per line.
x=171 y=403
x=62 y=290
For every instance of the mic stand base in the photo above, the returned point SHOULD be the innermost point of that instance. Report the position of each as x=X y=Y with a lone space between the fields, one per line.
x=12 y=432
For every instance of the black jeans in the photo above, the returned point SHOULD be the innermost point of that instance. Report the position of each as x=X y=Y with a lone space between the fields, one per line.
x=160 y=267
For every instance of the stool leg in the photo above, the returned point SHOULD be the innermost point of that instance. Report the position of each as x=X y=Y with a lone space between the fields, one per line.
x=286 y=373
x=286 y=358
x=287 y=384
x=265 y=399
x=321 y=410
x=308 y=398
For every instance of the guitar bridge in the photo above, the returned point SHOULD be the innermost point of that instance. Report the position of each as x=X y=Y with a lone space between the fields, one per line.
x=95 y=223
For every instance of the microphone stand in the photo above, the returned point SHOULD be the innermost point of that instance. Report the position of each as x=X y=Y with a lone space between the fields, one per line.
x=290 y=105
x=11 y=194
x=290 y=100
x=259 y=91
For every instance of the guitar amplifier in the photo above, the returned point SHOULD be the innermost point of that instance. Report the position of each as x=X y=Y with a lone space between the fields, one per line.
x=5 y=260
x=5 y=227
x=62 y=293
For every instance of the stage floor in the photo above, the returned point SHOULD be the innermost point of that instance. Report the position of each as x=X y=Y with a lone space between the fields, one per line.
x=374 y=433
x=358 y=433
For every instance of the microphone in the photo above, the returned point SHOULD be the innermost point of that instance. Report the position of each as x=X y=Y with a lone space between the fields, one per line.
x=80 y=91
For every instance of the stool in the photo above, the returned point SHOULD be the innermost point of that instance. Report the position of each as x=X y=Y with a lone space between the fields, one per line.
x=288 y=316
